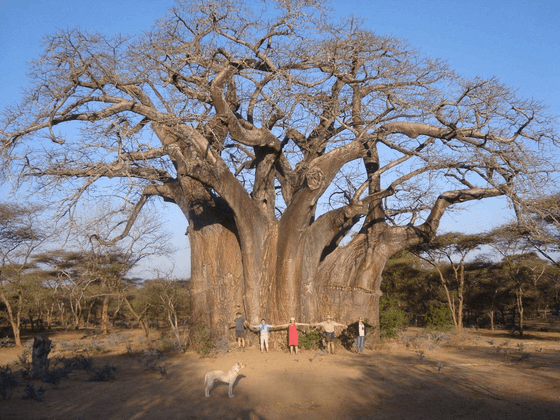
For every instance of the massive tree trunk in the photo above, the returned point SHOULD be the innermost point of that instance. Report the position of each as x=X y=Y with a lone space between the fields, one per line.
x=302 y=270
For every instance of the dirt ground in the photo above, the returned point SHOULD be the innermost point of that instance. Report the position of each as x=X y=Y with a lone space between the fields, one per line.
x=479 y=375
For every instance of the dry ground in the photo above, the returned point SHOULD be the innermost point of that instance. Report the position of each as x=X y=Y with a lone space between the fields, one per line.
x=483 y=375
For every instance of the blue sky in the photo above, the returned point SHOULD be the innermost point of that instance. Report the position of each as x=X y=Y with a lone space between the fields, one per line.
x=516 y=40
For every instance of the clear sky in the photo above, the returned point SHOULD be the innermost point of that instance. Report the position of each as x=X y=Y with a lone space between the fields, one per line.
x=516 y=40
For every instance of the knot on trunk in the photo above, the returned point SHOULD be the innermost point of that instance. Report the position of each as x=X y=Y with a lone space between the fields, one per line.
x=314 y=178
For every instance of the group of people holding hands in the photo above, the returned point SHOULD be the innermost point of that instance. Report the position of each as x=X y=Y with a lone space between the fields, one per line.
x=327 y=326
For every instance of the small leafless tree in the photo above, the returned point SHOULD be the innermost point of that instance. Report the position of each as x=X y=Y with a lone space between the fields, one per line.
x=170 y=297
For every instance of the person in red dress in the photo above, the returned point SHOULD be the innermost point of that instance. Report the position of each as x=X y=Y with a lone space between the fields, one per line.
x=293 y=337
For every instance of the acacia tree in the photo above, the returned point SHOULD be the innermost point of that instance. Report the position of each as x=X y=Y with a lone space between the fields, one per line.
x=170 y=298
x=451 y=251
x=277 y=132
x=20 y=236
x=489 y=294
x=540 y=224
x=96 y=268
x=523 y=269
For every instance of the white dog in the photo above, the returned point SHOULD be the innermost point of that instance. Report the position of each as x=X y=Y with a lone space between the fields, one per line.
x=218 y=375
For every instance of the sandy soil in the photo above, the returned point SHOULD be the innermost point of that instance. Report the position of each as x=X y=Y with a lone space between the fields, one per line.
x=484 y=375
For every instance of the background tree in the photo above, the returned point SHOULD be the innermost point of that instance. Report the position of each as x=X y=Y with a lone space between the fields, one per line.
x=170 y=297
x=20 y=235
x=139 y=302
x=405 y=279
x=447 y=254
x=540 y=225
x=96 y=269
x=489 y=294
x=277 y=132
x=68 y=271
x=551 y=291
x=523 y=269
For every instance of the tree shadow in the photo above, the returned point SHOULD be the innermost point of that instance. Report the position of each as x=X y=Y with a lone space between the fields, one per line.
x=378 y=385
x=433 y=390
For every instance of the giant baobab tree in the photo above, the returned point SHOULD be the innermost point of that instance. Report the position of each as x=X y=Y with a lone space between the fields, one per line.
x=303 y=152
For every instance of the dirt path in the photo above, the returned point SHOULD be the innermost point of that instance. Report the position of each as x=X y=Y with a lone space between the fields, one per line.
x=470 y=379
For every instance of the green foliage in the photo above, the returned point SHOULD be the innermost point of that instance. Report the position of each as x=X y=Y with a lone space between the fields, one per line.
x=167 y=343
x=311 y=340
x=439 y=318
x=201 y=340
x=391 y=317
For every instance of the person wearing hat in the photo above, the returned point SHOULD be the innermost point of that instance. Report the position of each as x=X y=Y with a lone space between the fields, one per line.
x=328 y=326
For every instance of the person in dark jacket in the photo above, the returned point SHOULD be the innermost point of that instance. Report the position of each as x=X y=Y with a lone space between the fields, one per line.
x=360 y=328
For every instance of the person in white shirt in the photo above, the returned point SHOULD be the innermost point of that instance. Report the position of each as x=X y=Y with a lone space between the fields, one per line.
x=264 y=329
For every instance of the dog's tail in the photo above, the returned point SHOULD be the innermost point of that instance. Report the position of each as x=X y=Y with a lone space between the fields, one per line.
x=206 y=379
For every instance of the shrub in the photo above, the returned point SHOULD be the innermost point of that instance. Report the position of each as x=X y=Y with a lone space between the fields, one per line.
x=66 y=346
x=391 y=318
x=104 y=375
x=150 y=360
x=114 y=340
x=81 y=362
x=8 y=381
x=167 y=344
x=25 y=364
x=425 y=340
x=311 y=340
x=438 y=319
x=5 y=342
x=30 y=392
x=54 y=376
x=201 y=340
x=95 y=345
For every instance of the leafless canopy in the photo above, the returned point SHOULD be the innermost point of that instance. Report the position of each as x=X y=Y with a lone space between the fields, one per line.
x=269 y=112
